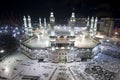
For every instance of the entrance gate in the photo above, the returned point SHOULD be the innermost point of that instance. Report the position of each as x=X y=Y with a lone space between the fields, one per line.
x=62 y=56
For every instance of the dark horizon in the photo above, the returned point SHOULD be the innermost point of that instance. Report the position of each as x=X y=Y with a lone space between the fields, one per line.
x=16 y=9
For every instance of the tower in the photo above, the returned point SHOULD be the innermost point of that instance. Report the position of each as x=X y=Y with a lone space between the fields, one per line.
x=45 y=24
x=88 y=23
x=25 y=25
x=30 y=30
x=52 y=19
x=40 y=23
x=91 y=26
x=72 y=20
x=95 y=25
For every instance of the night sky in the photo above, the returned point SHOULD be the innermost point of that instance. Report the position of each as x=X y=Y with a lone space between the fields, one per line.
x=15 y=9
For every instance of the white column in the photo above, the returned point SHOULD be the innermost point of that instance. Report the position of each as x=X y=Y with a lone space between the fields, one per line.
x=25 y=25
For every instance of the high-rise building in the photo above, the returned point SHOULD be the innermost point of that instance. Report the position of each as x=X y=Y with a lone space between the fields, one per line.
x=106 y=26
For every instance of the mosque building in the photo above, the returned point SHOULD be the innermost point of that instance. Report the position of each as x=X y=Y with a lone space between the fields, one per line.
x=56 y=42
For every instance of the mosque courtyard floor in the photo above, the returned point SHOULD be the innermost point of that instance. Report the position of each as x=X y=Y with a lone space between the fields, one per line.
x=19 y=67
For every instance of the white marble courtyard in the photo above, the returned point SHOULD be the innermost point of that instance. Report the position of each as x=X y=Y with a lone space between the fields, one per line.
x=17 y=67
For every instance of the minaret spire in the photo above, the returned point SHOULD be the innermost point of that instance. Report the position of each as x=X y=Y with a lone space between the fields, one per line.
x=88 y=23
x=95 y=25
x=91 y=26
x=72 y=20
x=25 y=25
x=30 y=26
x=25 y=22
x=73 y=15
x=45 y=24
x=29 y=22
x=51 y=14
x=52 y=19
x=40 y=23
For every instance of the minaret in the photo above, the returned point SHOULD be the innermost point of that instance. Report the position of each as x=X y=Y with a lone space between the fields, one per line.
x=30 y=33
x=91 y=26
x=40 y=23
x=52 y=19
x=25 y=25
x=88 y=23
x=45 y=24
x=72 y=19
x=95 y=25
